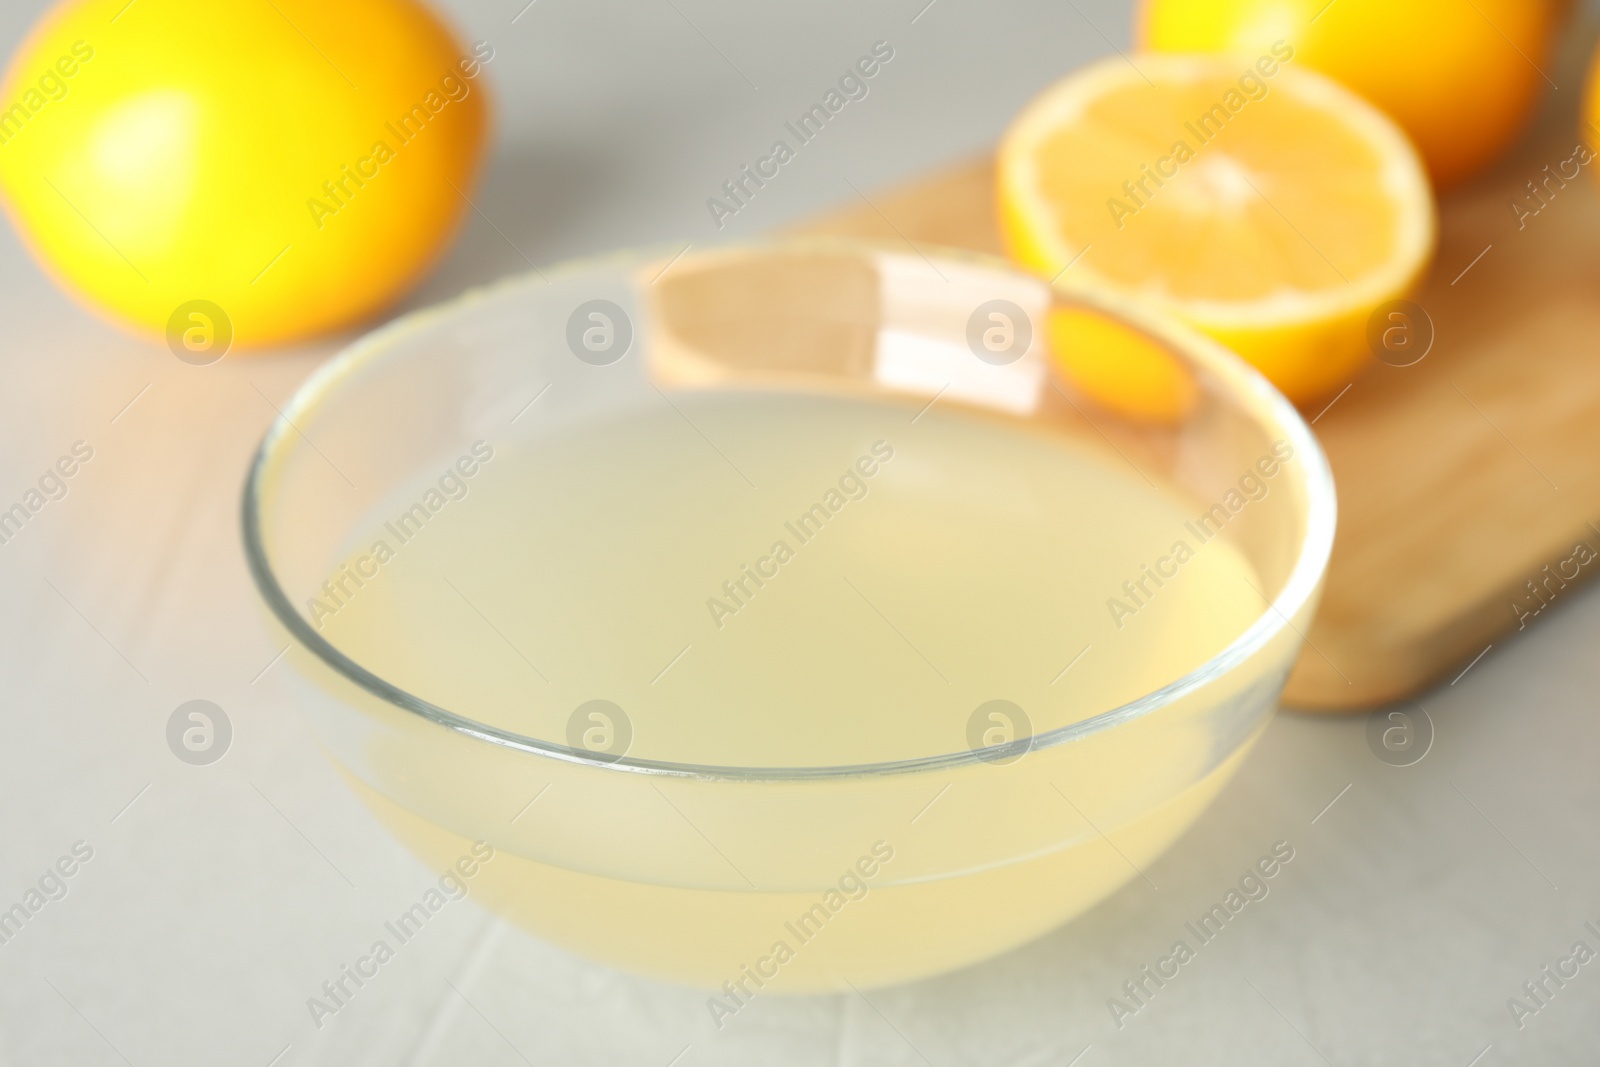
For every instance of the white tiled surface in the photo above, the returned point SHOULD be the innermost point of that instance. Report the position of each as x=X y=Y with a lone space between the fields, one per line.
x=223 y=896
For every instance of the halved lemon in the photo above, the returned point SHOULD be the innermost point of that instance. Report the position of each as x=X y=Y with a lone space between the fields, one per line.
x=1263 y=204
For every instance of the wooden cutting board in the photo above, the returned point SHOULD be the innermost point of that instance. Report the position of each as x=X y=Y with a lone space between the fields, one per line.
x=1460 y=478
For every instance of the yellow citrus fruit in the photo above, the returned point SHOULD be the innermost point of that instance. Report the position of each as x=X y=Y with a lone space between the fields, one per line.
x=296 y=164
x=1265 y=205
x=1120 y=367
x=1591 y=112
x=1460 y=76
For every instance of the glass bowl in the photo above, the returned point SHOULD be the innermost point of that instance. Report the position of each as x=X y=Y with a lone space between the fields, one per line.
x=943 y=755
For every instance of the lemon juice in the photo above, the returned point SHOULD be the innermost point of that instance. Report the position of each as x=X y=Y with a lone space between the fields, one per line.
x=802 y=584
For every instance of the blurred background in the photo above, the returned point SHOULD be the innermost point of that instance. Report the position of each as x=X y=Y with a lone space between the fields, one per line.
x=218 y=898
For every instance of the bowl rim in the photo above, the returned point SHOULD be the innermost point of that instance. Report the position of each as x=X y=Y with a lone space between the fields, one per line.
x=1243 y=382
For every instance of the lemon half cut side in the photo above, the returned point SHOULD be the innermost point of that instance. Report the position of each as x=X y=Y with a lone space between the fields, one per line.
x=1263 y=204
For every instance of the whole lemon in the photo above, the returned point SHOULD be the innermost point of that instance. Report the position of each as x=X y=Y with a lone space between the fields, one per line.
x=289 y=165
x=1460 y=76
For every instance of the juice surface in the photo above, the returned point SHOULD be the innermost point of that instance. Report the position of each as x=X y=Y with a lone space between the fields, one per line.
x=780 y=580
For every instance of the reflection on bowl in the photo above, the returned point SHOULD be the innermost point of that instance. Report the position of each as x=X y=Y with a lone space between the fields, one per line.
x=775 y=615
